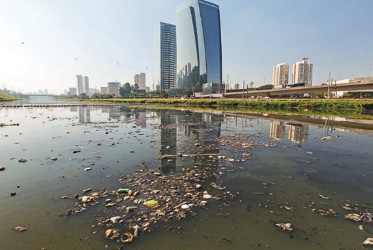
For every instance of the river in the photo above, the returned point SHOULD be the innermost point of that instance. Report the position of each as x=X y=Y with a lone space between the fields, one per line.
x=284 y=170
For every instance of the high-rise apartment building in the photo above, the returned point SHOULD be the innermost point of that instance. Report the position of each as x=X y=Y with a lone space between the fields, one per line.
x=140 y=80
x=302 y=72
x=165 y=56
x=104 y=90
x=86 y=85
x=199 y=49
x=280 y=75
x=80 y=88
x=113 y=88
x=72 y=92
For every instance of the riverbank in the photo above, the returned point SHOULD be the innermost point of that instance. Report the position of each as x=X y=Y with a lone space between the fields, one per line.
x=5 y=97
x=309 y=104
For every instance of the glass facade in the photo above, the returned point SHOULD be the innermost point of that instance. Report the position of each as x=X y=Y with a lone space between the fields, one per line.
x=165 y=56
x=199 y=50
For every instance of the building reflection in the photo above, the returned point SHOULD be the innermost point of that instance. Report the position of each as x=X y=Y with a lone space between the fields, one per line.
x=277 y=130
x=140 y=118
x=180 y=131
x=84 y=114
x=114 y=113
x=298 y=133
x=168 y=140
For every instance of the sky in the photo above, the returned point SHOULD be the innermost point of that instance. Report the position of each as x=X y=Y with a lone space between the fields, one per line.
x=44 y=44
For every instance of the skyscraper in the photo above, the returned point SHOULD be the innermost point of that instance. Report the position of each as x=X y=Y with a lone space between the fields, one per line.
x=199 y=49
x=86 y=85
x=165 y=56
x=280 y=75
x=302 y=72
x=140 y=80
x=79 y=80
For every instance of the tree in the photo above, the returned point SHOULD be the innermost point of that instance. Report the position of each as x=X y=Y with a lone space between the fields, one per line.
x=135 y=87
x=267 y=86
x=188 y=92
x=197 y=87
x=96 y=96
x=251 y=85
x=83 y=96
x=125 y=90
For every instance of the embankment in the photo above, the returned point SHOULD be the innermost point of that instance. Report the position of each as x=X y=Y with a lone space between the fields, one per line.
x=311 y=104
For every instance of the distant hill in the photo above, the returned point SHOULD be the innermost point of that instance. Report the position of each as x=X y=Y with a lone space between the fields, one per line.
x=4 y=97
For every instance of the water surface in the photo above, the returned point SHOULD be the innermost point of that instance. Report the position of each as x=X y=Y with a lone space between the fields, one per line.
x=292 y=167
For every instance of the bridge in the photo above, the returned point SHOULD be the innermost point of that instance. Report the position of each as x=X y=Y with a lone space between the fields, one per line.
x=299 y=90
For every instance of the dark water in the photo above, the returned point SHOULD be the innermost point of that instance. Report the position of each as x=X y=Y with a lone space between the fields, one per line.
x=292 y=167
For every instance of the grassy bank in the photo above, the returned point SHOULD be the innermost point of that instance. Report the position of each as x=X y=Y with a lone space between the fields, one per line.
x=327 y=105
x=4 y=97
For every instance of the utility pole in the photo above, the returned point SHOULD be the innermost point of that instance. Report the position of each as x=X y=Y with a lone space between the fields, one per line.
x=329 y=86
x=335 y=88
x=243 y=89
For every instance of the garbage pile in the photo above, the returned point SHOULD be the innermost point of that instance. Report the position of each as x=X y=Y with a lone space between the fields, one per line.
x=360 y=213
x=147 y=197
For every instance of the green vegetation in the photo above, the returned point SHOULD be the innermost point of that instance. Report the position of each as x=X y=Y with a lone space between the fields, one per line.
x=5 y=97
x=267 y=86
x=299 y=105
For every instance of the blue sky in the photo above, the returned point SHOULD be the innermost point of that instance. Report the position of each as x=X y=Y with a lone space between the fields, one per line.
x=112 y=40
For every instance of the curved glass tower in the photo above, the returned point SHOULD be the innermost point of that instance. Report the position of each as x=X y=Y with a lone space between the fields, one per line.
x=199 y=50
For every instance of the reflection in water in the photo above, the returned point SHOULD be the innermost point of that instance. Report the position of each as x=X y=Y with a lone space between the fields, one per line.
x=179 y=133
x=340 y=169
x=168 y=141
x=114 y=113
x=297 y=132
x=84 y=115
x=277 y=130
x=83 y=112
x=140 y=119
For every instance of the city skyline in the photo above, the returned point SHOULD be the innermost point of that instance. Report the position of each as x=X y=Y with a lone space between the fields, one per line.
x=48 y=43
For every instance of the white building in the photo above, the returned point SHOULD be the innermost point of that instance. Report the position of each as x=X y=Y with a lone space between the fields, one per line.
x=86 y=85
x=302 y=72
x=113 y=88
x=72 y=91
x=280 y=75
x=104 y=90
x=140 y=80
x=79 y=81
